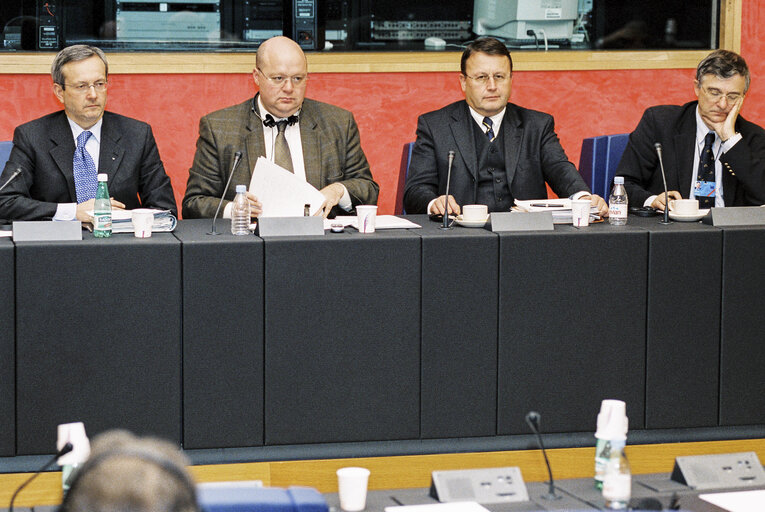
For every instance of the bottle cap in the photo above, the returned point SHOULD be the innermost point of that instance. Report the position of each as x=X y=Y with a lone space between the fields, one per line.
x=612 y=421
x=73 y=433
x=240 y=189
x=102 y=176
x=618 y=180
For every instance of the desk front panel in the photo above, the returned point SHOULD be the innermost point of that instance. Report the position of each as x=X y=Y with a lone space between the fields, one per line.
x=7 y=357
x=342 y=337
x=98 y=337
x=222 y=336
x=571 y=325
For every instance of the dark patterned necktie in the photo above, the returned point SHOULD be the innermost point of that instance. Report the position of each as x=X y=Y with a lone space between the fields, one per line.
x=707 y=171
x=282 y=155
x=85 y=173
x=489 y=128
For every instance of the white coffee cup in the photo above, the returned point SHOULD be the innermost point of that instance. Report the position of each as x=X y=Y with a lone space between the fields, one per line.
x=352 y=488
x=475 y=212
x=143 y=221
x=580 y=212
x=684 y=206
x=365 y=218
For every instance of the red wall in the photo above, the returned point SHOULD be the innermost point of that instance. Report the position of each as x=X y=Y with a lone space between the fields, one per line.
x=386 y=105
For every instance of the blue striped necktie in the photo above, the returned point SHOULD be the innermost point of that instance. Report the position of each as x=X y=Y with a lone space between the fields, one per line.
x=85 y=173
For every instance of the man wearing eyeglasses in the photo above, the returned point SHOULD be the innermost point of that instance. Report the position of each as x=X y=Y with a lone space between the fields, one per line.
x=61 y=154
x=502 y=151
x=709 y=151
x=318 y=142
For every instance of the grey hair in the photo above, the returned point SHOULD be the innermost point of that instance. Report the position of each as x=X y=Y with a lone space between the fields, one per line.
x=74 y=53
x=723 y=64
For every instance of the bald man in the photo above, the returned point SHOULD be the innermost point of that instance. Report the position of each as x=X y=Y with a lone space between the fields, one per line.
x=318 y=142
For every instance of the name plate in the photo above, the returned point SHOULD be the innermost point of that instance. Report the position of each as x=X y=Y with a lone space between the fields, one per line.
x=724 y=471
x=738 y=216
x=289 y=226
x=46 y=230
x=521 y=221
x=494 y=485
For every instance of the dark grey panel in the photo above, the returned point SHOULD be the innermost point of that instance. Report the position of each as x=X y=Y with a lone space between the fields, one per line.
x=742 y=401
x=98 y=337
x=342 y=345
x=222 y=337
x=571 y=325
x=7 y=357
x=459 y=331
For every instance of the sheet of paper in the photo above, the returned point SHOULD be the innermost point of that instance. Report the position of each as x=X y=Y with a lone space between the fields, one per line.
x=457 y=506
x=281 y=193
x=6 y=234
x=381 y=222
x=740 y=501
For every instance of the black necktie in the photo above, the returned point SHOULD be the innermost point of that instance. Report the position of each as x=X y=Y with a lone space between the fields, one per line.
x=707 y=171
x=489 y=128
x=282 y=156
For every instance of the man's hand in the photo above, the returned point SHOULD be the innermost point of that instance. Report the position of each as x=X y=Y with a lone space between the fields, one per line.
x=599 y=202
x=256 y=208
x=661 y=201
x=82 y=209
x=727 y=128
x=332 y=195
x=438 y=206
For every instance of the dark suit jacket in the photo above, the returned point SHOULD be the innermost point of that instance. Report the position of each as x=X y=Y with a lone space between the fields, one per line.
x=44 y=149
x=675 y=128
x=331 y=151
x=533 y=156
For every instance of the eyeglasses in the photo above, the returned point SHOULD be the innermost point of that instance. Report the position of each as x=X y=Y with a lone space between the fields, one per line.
x=83 y=88
x=279 y=80
x=716 y=94
x=483 y=79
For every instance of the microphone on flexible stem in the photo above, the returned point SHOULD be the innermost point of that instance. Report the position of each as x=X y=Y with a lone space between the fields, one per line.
x=63 y=451
x=237 y=157
x=446 y=202
x=15 y=174
x=664 y=179
x=533 y=418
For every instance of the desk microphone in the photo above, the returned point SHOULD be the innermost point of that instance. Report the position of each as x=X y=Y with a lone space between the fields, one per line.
x=15 y=174
x=63 y=451
x=664 y=179
x=446 y=202
x=533 y=418
x=237 y=157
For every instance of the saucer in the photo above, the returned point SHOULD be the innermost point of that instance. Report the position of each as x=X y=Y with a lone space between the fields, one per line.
x=471 y=223
x=688 y=218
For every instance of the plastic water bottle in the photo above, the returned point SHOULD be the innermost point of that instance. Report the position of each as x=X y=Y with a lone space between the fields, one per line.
x=617 y=483
x=102 y=209
x=612 y=429
x=240 y=212
x=617 y=203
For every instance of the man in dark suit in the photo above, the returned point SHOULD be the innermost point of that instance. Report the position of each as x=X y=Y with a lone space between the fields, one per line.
x=316 y=141
x=60 y=154
x=503 y=152
x=709 y=151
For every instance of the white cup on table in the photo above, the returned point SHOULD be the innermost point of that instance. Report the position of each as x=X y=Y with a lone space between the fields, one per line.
x=352 y=488
x=143 y=221
x=366 y=214
x=580 y=212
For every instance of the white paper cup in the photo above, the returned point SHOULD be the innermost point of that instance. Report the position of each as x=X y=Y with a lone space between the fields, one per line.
x=352 y=488
x=143 y=220
x=580 y=212
x=684 y=206
x=365 y=217
x=475 y=212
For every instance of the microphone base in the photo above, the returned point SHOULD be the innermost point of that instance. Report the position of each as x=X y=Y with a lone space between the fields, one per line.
x=551 y=496
x=665 y=222
x=446 y=227
x=214 y=233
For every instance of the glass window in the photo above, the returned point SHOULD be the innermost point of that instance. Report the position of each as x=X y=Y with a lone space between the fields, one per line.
x=366 y=25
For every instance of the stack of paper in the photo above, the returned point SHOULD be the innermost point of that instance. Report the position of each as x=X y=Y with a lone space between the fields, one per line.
x=164 y=221
x=560 y=208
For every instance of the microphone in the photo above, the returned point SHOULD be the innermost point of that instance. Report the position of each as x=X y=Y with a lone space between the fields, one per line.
x=63 y=451
x=532 y=419
x=664 y=179
x=15 y=174
x=446 y=202
x=237 y=157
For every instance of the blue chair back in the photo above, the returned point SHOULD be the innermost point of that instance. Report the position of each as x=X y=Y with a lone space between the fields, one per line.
x=5 y=153
x=403 y=173
x=598 y=161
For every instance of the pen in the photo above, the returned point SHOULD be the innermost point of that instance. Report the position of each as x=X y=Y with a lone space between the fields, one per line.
x=545 y=205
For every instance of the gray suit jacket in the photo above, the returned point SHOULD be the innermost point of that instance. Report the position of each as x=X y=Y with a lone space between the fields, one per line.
x=44 y=149
x=674 y=127
x=331 y=151
x=533 y=156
